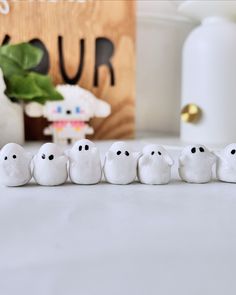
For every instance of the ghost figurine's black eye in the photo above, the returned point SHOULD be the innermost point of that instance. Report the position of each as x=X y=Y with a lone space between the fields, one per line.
x=80 y=148
x=86 y=147
x=118 y=153
x=127 y=153
x=5 y=158
x=43 y=156
x=51 y=157
x=14 y=156
x=193 y=150
x=233 y=152
x=152 y=153
x=159 y=153
x=201 y=149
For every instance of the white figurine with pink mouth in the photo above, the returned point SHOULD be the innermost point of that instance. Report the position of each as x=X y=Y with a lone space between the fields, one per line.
x=15 y=164
x=85 y=164
x=50 y=165
x=120 y=165
x=70 y=117
x=195 y=164
x=154 y=166
x=226 y=164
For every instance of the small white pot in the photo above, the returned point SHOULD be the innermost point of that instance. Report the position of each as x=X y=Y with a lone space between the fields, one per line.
x=11 y=118
x=11 y=122
x=160 y=36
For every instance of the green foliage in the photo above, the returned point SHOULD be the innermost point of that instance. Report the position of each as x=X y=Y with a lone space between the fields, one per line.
x=16 y=62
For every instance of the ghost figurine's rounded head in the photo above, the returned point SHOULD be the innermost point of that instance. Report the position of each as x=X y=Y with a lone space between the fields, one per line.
x=120 y=149
x=12 y=153
x=49 y=152
x=157 y=152
x=82 y=146
x=196 y=152
x=120 y=146
x=229 y=153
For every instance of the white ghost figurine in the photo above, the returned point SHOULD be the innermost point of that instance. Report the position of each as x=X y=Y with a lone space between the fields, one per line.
x=154 y=166
x=15 y=169
x=195 y=164
x=226 y=163
x=85 y=164
x=50 y=165
x=120 y=165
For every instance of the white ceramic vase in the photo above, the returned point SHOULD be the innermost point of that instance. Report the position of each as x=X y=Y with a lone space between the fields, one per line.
x=209 y=72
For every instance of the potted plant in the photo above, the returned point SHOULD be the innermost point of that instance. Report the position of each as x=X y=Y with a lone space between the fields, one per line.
x=19 y=83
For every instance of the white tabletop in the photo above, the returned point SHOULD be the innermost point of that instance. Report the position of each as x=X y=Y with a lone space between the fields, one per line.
x=127 y=240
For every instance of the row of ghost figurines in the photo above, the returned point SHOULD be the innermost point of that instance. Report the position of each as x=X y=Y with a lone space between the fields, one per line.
x=51 y=166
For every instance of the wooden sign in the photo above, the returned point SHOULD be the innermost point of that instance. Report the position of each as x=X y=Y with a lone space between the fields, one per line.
x=90 y=43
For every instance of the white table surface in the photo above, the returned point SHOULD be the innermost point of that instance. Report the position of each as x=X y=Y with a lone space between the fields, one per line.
x=118 y=240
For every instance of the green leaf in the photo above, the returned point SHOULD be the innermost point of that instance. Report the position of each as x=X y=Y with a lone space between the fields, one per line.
x=23 y=87
x=33 y=86
x=45 y=83
x=24 y=55
x=16 y=62
x=9 y=67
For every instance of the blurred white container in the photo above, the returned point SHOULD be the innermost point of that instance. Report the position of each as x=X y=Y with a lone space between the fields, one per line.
x=11 y=118
x=209 y=72
x=11 y=123
x=160 y=35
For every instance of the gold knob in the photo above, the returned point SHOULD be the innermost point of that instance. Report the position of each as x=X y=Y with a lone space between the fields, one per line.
x=191 y=113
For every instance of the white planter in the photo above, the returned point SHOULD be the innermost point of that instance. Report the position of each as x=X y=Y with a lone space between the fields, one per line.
x=160 y=36
x=11 y=118
x=11 y=122
x=209 y=72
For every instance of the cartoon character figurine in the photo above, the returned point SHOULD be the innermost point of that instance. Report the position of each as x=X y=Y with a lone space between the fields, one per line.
x=195 y=164
x=50 y=165
x=15 y=167
x=120 y=166
x=154 y=166
x=69 y=117
x=226 y=163
x=85 y=164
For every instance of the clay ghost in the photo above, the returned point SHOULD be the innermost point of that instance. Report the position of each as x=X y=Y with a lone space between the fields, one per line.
x=85 y=164
x=120 y=165
x=226 y=164
x=195 y=164
x=15 y=167
x=50 y=165
x=154 y=166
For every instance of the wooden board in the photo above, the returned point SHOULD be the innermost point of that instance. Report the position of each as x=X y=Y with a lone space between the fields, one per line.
x=96 y=24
